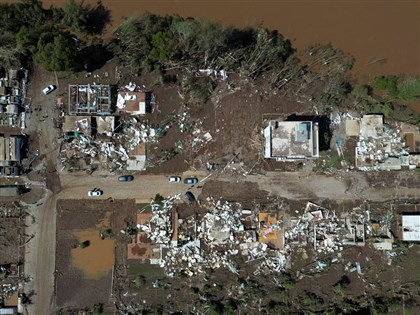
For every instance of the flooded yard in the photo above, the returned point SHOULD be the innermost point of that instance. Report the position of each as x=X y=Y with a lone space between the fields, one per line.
x=96 y=260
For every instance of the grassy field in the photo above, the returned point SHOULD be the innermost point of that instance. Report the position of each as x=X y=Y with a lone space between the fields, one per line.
x=150 y=272
x=144 y=207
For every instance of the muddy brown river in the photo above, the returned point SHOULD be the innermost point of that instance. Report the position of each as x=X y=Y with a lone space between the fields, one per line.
x=387 y=32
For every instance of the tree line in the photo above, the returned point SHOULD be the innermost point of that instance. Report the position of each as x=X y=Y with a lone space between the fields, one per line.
x=59 y=39
x=170 y=42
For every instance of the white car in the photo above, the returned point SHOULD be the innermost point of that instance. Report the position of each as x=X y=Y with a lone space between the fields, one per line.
x=174 y=179
x=95 y=192
x=48 y=89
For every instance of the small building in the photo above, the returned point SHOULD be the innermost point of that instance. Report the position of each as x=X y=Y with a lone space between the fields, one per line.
x=10 y=155
x=291 y=140
x=411 y=226
x=8 y=310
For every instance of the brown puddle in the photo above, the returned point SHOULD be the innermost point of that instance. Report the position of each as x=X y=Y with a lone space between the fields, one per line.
x=96 y=260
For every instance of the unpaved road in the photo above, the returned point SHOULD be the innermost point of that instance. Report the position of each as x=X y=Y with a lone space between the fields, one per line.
x=41 y=250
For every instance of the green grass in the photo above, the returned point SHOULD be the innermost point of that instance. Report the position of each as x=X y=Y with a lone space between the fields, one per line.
x=144 y=207
x=150 y=272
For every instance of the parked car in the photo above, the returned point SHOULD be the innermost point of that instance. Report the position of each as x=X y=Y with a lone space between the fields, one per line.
x=190 y=196
x=125 y=178
x=191 y=180
x=49 y=89
x=95 y=192
x=174 y=179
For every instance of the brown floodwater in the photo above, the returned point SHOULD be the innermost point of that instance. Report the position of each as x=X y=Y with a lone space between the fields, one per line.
x=370 y=30
x=96 y=260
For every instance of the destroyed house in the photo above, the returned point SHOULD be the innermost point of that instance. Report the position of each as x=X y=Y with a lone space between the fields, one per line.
x=380 y=147
x=143 y=248
x=89 y=99
x=291 y=140
x=88 y=125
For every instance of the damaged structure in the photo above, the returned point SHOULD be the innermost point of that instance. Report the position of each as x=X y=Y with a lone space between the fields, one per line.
x=291 y=140
x=89 y=99
x=13 y=100
x=95 y=137
x=10 y=155
x=379 y=146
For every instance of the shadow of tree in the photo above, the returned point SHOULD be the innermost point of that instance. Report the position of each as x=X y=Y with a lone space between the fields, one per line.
x=95 y=56
x=98 y=18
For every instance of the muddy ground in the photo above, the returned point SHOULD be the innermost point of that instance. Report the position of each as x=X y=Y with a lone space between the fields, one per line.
x=11 y=233
x=89 y=269
x=10 y=241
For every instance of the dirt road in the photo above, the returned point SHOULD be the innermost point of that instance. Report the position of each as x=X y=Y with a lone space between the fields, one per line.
x=293 y=185
x=40 y=251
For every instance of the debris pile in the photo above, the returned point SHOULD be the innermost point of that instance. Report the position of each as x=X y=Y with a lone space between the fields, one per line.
x=13 y=101
x=380 y=147
x=159 y=229
x=113 y=150
x=200 y=137
x=325 y=230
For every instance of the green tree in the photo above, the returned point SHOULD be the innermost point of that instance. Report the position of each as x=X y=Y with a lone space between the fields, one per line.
x=409 y=89
x=388 y=83
x=56 y=53
x=75 y=16
x=23 y=37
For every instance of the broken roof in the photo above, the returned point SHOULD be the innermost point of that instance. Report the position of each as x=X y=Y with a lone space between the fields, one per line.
x=105 y=124
x=371 y=126
x=269 y=230
x=289 y=139
x=81 y=124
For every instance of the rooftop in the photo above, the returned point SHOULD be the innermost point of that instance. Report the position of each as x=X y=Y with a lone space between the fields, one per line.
x=411 y=227
x=291 y=139
x=132 y=102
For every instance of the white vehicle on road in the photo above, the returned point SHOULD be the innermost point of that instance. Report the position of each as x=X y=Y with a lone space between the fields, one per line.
x=49 y=89
x=174 y=179
x=95 y=192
